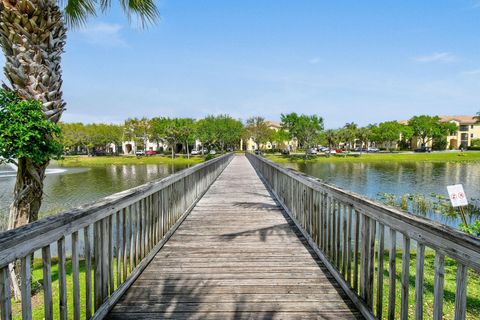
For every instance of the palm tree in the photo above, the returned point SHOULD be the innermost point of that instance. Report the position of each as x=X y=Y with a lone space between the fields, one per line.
x=349 y=134
x=363 y=134
x=32 y=36
x=332 y=138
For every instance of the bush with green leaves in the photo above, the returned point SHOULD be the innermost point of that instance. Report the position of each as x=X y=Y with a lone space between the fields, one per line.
x=25 y=132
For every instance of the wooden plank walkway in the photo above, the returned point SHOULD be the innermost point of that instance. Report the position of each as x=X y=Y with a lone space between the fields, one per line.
x=236 y=256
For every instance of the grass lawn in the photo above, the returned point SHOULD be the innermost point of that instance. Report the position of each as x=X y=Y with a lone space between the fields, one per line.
x=473 y=294
x=37 y=298
x=381 y=157
x=79 y=161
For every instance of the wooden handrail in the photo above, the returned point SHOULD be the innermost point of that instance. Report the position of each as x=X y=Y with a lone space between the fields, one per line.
x=123 y=230
x=348 y=231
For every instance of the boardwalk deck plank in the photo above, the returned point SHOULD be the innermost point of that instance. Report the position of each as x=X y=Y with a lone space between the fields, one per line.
x=236 y=256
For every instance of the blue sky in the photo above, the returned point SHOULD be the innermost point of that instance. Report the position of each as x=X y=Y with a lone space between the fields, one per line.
x=344 y=60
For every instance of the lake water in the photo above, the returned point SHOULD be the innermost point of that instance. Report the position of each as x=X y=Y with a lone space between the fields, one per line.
x=71 y=187
x=399 y=178
x=67 y=188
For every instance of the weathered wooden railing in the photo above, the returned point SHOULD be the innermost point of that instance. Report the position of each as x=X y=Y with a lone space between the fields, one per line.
x=348 y=232
x=124 y=231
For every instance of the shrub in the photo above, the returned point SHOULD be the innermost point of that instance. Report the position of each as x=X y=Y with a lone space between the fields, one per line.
x=475 y=142
x=209 y=157
x=439 y=144
x=25 y=132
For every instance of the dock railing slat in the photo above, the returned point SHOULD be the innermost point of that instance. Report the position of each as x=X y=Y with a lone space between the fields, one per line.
x=128 y=230
x=362 y=245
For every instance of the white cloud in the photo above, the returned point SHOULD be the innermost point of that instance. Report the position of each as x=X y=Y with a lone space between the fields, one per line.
x=443 y=57
x=104 y=34
x=314 y=60
x=473 y=72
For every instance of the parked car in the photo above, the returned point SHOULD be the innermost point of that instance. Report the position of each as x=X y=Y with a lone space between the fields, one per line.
x=312 y=151
x=285 y=151
x=338 y=150
x=424 y=149
x=151 y=152
x=140 y=153
x=97 y=153
x=371 y=149
x=213 y=152
x=195 y=152
x=359 y=149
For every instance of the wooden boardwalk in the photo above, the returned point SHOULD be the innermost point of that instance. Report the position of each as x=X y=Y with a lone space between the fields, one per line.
x=236 y=256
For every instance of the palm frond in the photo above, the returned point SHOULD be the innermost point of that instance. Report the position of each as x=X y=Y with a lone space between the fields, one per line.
x=78 y=11
x=145 y=10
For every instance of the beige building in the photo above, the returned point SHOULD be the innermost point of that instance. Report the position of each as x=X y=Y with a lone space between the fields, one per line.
x=468 y=129
x=273 y=125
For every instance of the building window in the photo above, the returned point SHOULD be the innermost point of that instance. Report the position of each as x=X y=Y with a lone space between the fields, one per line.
x=463 y=128
x=471 y=127
x=471 y=135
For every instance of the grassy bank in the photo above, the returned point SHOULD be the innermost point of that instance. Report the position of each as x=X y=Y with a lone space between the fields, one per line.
x=79 y=161
x=381 y=157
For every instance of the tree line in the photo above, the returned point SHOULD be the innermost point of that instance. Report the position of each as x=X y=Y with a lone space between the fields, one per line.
x=223 y=132
x=393 y=134
x=308 y=131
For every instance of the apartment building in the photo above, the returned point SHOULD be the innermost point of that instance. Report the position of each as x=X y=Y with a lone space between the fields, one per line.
x=468 y=129
x=273 y=125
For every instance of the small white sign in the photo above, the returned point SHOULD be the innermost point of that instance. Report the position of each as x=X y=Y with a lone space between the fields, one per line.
x=457 y=195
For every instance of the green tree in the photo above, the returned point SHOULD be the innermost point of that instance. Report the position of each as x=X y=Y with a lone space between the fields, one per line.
x=257 y=129
x=74 y=135
x=137 y=130
x=186 y=128
x=229 y=131
x=33 y=37
x=101 y=135
x=179 y=130
x=427 y=128
x=332 y=137
x=280 y=138
x=389 y=133
x=158 y=129
x=306 y=129
x=206 y=132
x=27 y=139
x=406 y=137
x=349 y=134
x=363 y=135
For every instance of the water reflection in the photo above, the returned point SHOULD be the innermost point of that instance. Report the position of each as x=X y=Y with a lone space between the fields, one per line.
x=398 y=178
x=78 y=186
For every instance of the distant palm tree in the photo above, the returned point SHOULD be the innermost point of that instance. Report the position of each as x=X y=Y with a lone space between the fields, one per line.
x=32 y=37
x=477 y=117
x=332 y=138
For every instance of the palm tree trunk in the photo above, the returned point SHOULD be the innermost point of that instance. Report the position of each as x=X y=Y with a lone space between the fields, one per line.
x=32 y=37
x=27 y=199
x=188 y=153
x=27 y=193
